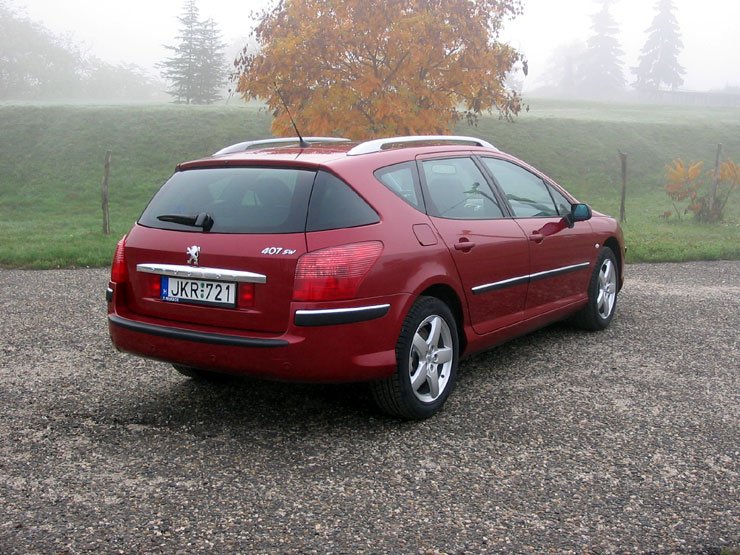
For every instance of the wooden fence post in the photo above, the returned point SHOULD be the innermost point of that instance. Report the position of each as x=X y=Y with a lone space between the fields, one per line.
x=106 y=214
x=623 y=159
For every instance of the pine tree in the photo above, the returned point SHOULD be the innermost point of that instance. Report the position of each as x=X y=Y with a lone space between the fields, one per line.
x=196 y=71
x=211 y=71
x=600 y=72
x=659 y=59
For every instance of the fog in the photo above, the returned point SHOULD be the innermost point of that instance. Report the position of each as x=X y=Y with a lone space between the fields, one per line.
x=711 y=53
x=135 y=31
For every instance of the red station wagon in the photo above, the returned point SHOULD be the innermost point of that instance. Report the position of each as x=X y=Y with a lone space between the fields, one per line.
x=387 y=261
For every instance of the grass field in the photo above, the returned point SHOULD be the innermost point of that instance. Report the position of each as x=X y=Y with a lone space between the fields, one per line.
x=51 y=162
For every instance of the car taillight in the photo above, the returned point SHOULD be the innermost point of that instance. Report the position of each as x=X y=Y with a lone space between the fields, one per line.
x=246 y=295
x=118 y=271
x=153 y=284
x=335 y=273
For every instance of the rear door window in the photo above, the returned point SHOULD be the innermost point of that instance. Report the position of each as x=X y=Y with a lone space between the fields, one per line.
x=458 y=191
x=335 y=205
x=240 y=200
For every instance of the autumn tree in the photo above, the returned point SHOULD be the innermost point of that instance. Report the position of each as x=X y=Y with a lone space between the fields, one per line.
x=659 y=59
x=600 y=70
x=364 y=68
x=196 y=70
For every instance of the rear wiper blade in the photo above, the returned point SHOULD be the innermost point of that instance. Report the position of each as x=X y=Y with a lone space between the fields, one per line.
x=202 y=220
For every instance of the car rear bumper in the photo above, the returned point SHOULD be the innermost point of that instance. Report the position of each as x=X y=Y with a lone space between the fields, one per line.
x=194 y=336
x=325 y=344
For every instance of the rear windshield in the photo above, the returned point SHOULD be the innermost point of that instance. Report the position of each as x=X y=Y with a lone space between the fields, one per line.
x=237 y=200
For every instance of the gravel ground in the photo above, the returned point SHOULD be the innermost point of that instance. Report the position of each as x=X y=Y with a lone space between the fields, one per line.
x=567 y=442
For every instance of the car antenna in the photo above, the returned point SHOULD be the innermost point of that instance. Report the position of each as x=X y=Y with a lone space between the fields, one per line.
x=301 y=142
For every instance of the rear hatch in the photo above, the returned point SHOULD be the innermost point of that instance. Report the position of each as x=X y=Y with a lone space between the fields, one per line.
x=219 y=246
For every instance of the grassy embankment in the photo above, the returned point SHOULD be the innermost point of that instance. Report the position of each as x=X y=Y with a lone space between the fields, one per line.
x=51 y=161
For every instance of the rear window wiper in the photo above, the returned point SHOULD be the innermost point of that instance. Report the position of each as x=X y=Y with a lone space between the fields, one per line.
x=201 y=220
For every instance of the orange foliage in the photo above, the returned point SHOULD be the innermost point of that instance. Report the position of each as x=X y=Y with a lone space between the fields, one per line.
x=684 y=183
x=729 y=172
x=367 y=68
x=682 y=179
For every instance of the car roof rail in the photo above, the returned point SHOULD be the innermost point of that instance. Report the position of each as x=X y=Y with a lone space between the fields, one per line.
x=382 y=144
x=279 y=141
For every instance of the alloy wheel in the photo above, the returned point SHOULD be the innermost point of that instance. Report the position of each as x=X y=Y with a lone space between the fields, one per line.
x=430 y=358
x=607 y=289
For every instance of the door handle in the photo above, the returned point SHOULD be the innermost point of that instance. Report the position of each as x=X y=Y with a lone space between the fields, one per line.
x=464 y=245
x=536 y=237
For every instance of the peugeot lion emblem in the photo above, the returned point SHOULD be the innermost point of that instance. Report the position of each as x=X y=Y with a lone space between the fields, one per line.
x=193 y=252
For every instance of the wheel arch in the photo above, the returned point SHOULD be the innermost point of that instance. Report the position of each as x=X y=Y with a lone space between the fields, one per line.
x=449 y=296
x=613 y=244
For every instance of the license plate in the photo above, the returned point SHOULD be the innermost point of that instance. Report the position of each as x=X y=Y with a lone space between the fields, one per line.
x=198 y=291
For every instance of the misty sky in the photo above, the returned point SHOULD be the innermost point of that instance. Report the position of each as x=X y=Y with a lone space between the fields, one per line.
x=135 y=30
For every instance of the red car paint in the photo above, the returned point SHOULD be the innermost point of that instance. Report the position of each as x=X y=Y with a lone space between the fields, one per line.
x=272 y=333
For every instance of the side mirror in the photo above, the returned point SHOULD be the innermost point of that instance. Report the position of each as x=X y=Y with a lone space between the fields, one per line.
x=580 y=212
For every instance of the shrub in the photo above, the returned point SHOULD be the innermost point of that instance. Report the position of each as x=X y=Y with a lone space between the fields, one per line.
x=686 y=183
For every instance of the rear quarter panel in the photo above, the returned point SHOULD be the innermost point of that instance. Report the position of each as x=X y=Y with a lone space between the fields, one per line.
x=405 y=266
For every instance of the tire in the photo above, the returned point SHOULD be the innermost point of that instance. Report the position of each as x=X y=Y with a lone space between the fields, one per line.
x=602 y=294
x=197 y=373
x=427 y=354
